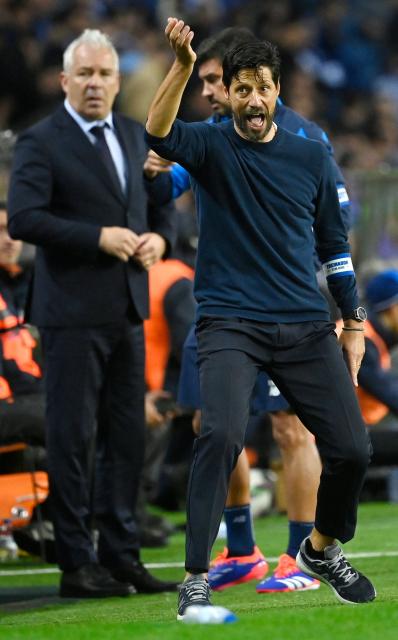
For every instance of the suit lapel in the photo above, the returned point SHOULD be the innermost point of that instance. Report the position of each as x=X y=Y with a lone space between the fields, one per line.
x=75 y=139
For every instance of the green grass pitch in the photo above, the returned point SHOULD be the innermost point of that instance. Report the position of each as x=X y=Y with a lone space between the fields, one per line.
x=313 y=615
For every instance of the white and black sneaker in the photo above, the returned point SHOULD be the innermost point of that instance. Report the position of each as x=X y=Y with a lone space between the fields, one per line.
x=194 y=591
x=349 y=585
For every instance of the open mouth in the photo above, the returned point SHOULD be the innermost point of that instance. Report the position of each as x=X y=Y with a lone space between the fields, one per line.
x=256 y=120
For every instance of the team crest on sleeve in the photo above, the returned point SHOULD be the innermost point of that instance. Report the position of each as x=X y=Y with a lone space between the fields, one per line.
x=342 y=194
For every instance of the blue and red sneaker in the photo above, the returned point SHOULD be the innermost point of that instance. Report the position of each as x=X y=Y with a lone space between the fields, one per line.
x=227 y=572
x=287 y=577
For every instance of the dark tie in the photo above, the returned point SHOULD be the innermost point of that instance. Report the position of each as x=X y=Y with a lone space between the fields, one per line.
x=102 y=146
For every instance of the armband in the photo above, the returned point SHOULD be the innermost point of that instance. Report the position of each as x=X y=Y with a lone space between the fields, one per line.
x=338 y=266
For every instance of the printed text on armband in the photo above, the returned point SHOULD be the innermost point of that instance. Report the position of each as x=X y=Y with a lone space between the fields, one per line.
x=339 y=266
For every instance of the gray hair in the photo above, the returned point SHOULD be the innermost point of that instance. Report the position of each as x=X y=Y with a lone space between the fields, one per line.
x=94 y=38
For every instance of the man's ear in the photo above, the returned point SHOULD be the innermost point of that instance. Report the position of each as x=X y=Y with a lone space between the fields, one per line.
x=63 y=79
x=226 y=92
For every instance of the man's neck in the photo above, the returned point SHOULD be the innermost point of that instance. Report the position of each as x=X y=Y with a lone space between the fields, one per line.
x=267 y=138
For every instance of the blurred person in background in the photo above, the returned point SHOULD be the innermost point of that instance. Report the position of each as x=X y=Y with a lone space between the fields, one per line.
x=78 y=193
x=22 y=405
x=22 y=401
x=171 y=313
x=378 y=382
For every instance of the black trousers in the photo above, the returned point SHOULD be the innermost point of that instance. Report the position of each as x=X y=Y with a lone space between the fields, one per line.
x=306 y=363
x=95 y=376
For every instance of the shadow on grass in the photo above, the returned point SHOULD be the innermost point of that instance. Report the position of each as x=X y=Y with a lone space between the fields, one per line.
x=16 y=599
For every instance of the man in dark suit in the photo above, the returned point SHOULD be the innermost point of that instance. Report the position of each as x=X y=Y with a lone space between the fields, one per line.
x=77 y=192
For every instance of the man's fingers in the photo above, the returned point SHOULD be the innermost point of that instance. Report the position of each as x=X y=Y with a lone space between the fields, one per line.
x=171 y=23
x=123 y=256
x=185 y=36
x=129 y=241
x=353 y=344
x=140 y=248
x=354 y=365
x=189 y=38
x=147 y=260
x=129 y=245
x=180 y=37
x=180 y=34
x=354 y=375
x=150 y=249
x=156 y=163
x=176 y=30
x=183 y=33
x=164 y=168
x=145 y=264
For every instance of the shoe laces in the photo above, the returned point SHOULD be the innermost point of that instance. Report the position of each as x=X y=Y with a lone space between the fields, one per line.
x=286 y=566
x=342 y=568
x=197 y=590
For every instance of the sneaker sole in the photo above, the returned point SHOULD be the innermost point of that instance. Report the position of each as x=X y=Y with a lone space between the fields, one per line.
x=255 y=574
x=221 y=615
x=301 y=564
x=312 y=587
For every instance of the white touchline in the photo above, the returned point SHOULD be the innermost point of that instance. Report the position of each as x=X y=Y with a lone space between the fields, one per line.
x=180 y=565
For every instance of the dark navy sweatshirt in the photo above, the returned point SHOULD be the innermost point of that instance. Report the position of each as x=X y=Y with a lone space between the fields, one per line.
x=262 y=208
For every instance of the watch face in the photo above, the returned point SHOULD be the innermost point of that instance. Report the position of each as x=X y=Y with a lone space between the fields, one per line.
x=360 y=314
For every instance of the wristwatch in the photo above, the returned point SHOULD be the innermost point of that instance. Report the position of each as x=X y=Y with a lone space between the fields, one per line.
x=359 y=314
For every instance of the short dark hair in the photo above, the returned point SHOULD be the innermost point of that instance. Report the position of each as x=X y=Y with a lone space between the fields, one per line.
x=251 y=55
x=218 y=45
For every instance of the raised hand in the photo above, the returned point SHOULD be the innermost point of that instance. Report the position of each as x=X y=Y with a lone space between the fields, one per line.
x=164 y=108
x=180 y=37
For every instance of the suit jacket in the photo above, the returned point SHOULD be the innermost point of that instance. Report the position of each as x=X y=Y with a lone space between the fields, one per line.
x=60 y=196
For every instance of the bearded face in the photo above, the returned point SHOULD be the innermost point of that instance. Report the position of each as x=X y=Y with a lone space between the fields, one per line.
x=253 y=96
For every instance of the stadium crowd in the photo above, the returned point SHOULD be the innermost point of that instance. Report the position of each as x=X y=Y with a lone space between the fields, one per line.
x=339 y=60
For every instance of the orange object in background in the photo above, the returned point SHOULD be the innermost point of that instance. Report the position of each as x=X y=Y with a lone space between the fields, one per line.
x=372 y=409
x=162 y=276
x=20 y=493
